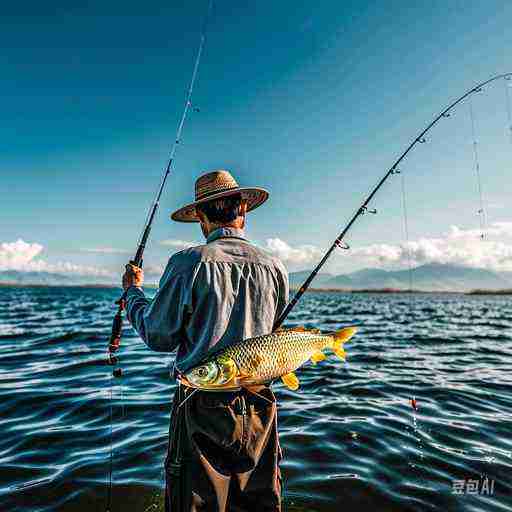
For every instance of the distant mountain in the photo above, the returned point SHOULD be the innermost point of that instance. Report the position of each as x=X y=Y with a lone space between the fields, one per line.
x=428 y=277
x=297 y=278
x=44 y=279
x=506 y=275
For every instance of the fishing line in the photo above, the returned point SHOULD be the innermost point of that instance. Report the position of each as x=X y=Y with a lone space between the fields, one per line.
x=111 y=463
x=188 y=104
x=420 y=139
x=406 y=231
x=405 y=217
x=476 y=162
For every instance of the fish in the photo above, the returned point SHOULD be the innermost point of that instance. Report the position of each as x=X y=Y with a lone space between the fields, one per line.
x=265 y=358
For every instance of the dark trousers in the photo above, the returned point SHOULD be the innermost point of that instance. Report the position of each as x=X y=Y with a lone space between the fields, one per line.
x=223 y=452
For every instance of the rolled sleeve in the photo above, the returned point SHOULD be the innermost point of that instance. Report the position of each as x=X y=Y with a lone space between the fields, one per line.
x=160 y=320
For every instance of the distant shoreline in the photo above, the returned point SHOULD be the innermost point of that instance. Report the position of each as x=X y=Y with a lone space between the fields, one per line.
x=400 y=291
x=39 y=285
x=293 y=289
x=99 y=286
x=490 y=292
x=375 y=290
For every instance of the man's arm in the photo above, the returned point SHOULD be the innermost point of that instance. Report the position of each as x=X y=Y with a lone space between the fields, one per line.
x=159 y=321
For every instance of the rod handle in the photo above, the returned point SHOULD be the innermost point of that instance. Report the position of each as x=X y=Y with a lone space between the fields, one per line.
x=117 y=328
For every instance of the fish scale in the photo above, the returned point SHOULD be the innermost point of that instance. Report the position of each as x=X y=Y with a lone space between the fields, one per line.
x=269 y=356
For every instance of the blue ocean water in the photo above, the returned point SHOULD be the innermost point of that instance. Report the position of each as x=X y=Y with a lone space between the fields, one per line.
x=351 y=439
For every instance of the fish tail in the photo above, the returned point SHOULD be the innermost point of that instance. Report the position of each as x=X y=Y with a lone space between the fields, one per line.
x=340 y=337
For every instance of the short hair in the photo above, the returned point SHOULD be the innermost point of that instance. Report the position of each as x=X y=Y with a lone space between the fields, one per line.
x=223 y=210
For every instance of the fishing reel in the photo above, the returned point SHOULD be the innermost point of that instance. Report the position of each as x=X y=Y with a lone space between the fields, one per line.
x=115 y=337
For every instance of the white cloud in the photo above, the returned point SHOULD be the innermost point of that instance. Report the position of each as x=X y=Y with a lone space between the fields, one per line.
x=296 y=257
x=179 y=245
x=301 y=256
x=23 y=256
x=17 y=255
x=153 y=271
x=458 y=246
x=104 y=250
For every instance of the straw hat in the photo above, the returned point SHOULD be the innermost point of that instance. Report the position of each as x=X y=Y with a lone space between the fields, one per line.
x=215 y=185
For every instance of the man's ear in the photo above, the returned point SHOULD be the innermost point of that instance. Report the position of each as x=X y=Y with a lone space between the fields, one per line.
x=201 y=216
x=203 y=221
x=242 y=211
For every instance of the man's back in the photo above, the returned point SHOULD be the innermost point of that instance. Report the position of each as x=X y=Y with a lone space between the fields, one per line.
x=213 y=295
x=223 y=451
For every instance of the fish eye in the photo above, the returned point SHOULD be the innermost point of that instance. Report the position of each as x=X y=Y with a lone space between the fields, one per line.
x=203 y=375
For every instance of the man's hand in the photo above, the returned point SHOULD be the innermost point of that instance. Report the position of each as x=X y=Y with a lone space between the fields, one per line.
x=134 y=276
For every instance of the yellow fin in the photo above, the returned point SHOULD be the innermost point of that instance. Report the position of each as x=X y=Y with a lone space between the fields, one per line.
x=343 y=335
x=301 y=328
x=317 y=357
x=291 y=381
x=340 y=353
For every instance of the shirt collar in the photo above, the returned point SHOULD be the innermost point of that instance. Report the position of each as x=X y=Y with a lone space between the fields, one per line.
x=225 y=233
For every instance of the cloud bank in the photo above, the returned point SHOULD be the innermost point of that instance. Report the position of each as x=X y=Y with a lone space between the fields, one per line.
x=457 y=246
x=179 y=245
x=25 y=257
x=104 y=250
x=301 y=256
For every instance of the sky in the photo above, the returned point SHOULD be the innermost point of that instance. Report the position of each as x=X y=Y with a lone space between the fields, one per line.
x=313 y=101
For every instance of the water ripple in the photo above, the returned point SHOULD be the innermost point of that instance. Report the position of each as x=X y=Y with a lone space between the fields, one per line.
x=350 y=437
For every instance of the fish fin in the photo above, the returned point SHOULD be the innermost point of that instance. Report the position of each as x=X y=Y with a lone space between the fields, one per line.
x=299 y=328
x=302 y=328
x=318 y=356
x=291 y=381
x=340 y=337
x=340 y=353
x=343 y=335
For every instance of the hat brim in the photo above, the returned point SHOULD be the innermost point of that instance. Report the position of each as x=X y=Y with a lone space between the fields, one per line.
x=253 y=195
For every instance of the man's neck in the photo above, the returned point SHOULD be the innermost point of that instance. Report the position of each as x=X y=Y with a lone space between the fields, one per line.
x=235 y=225
x=238 y=223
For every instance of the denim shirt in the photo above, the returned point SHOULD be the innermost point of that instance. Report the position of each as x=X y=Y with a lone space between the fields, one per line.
x=211 y=295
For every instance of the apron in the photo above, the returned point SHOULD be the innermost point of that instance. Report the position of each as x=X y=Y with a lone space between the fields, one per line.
x=223 y=453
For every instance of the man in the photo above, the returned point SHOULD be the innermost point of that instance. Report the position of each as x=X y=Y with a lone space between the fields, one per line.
x=223 y=446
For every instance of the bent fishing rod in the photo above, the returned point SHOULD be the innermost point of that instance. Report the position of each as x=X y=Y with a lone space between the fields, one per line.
x=363 y=209
x=117 y=324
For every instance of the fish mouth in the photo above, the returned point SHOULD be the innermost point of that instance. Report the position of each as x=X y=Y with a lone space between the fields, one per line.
x=231 y=386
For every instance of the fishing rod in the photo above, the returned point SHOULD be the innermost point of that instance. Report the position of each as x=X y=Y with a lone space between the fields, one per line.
x=363 y=209
x=117 y=323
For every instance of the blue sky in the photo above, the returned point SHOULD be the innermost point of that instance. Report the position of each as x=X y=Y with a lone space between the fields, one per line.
x=313 y=101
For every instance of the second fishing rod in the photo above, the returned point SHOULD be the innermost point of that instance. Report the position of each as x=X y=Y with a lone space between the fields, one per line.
x=363 y=209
